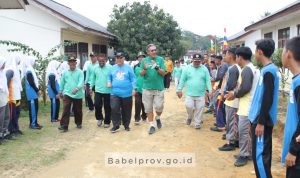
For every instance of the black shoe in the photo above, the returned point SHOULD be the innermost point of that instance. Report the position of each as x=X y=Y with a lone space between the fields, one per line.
x=227 y=147
x=35 y=127
x=79 y=126
x=115 y=129
x=39 y=126
x=63 y=129
x=19 y=132
x=9 y=137
x=151 y=130
x=127 y=129
x=158 y=122
x=248 y=157
x=224 y=137
x=241 y=161
x=236 y=144
x=216 y=129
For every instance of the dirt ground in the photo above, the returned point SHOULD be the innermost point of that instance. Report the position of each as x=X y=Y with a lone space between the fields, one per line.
x=86 y=157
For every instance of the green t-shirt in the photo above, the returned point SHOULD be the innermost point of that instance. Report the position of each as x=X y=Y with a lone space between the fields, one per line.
x=177 y=72
x=196 y=80
x=69 y=81
x=152 y=79
x=90 y=71
x=99 y=79
x=139 y=78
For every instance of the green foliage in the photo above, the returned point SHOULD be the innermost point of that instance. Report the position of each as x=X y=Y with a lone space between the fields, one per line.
x=138 y=25
x=196 y=41
x=259 y=65
x=41 y=62
x=284 y=73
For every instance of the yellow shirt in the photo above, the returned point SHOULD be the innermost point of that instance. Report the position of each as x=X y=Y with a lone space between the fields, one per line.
x=243 y=101
x=169 y=66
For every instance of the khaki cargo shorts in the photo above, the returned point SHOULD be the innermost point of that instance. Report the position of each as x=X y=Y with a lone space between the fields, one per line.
x=153 y=98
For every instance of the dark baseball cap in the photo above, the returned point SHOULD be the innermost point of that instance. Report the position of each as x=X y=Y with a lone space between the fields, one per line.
x=72 y=58
x=197 y=56
x=120 y=54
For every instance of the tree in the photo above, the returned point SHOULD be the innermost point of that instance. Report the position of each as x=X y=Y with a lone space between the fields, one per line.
x=41 y=62
x=284 y=73
x=138 y=25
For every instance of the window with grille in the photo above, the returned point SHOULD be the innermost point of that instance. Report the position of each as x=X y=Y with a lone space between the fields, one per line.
x=283 y=36
x=96 y=48
x=268 y=35
x=70 y=50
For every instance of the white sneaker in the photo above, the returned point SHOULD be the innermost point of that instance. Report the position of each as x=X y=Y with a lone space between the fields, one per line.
x=99 y=123
x=136 y=122
x=106 y=125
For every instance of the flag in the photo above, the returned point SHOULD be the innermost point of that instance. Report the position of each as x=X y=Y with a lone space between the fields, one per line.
x=212 y=45
x=225 y=43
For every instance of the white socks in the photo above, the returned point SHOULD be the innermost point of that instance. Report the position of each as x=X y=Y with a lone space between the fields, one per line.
x=151 y=124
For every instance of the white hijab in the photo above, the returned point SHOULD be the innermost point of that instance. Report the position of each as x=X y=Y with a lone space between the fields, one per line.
x=29 y=62
x=53 y=68
x=12 y=64
x=3 y=79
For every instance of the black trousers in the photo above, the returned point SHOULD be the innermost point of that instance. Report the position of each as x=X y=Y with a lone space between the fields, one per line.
x=294 y=172
x=88 y=98
x=167 y=80
x=85 y=94
x=121 y=108
x=139 y=106
x=77 y=105
x=55 y=105
x=262 y=152
x=14 y=110
x=100 y=100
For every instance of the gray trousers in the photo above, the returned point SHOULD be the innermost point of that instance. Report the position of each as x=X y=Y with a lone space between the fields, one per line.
x=195 y=106
x=245 y=136
x=214 y=99
x=4 y=120
x=231 y=124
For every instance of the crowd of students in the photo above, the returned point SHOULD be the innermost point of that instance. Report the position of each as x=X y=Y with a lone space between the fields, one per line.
x=242 y=98
x=244 y=101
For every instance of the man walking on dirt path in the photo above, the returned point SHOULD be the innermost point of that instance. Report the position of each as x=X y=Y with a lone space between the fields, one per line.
x=102 y=92
x=87 y=83
x=122 y=81
x=71 y=91
x=169 y=69
x=154 y=70
x=197 y=80
x=139 y=106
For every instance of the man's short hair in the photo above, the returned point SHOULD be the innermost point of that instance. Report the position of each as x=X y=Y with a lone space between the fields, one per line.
x=245 y=52
x=150 y=45
x=231 y=52
x=267 y=46
x=101 y=55
x=293 y=45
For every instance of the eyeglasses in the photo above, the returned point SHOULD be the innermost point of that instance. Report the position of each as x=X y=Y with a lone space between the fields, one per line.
x=153 y=50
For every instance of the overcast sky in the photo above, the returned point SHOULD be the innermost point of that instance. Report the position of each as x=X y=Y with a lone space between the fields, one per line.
x=202 y=17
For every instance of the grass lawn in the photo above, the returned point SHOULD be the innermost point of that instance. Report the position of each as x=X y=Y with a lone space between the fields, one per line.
x=38 y=148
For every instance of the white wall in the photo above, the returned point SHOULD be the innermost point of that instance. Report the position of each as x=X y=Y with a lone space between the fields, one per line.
x=251 y=39
x=32 y=27
x=288 y=22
